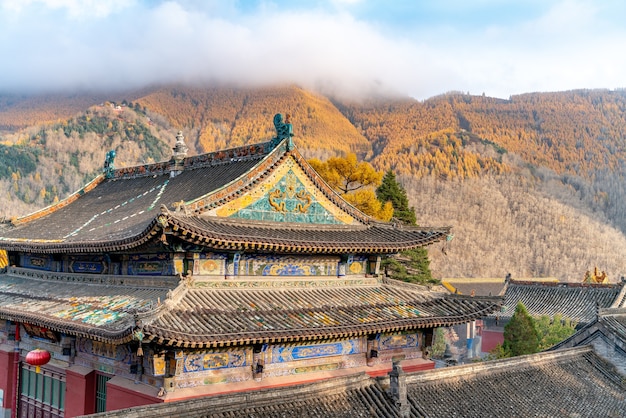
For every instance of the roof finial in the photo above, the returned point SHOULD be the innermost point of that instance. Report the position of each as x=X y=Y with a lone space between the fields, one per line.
x=284 y=130
x=109 y=167
x=180 y=152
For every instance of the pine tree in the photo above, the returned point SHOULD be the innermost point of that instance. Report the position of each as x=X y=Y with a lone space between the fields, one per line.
x=391 y=191
x=520 y=334
x=412 y=265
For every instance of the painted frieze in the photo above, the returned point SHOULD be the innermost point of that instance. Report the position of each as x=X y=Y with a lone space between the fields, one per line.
x=150 y=265
x=287 y=353
x=273 y=265
x=211 y=360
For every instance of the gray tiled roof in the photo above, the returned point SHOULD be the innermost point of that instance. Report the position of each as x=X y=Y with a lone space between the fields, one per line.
x=565 y=383
x=284 y=310
x=479 y=287
x=576 y=301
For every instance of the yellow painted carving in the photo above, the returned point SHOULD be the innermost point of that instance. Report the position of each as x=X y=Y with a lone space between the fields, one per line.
x=304 y=196
x=356 y=268
x=208 y=266
x=178 y=266
x=278 y=206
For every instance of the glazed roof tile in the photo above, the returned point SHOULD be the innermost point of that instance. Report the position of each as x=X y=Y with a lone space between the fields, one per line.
x=212 y=314
x=119 y=209
x=225 y=312
x=137 y=205
x=101 y=308
x=576 y=301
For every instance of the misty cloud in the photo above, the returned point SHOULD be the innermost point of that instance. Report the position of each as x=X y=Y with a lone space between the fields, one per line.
x=72 y=44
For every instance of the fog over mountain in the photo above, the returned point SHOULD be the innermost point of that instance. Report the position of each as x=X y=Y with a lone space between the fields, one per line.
x=419 y=49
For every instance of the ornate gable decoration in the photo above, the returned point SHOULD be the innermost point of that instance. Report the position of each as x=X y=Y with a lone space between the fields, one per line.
x=282 y=188
x=286 y=195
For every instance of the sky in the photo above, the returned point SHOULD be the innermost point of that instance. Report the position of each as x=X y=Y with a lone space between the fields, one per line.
x=419 y=48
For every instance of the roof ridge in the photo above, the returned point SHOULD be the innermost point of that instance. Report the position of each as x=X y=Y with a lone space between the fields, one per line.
x=226 y=156
x=568 y=285
x=500 y=365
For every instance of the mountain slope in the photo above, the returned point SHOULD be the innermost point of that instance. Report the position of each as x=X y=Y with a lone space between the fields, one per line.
x=226 y=117
x=533 y=186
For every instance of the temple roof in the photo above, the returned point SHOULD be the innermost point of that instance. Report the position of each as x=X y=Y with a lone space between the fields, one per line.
x=98 y=307
x=227 y=234
x=203 y=313
x=261 y=196
x=610 y=325
x=576 y=301
x=217 y=313
x=566 y=383
x=476 y=286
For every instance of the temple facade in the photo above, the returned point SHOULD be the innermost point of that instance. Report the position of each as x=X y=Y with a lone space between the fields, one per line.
x=233 y=270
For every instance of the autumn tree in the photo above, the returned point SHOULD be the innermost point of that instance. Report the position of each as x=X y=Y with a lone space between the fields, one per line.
x=355 y=181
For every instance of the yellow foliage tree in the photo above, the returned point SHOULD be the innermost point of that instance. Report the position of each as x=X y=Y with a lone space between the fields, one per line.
x=355 y=181
x=366 y=202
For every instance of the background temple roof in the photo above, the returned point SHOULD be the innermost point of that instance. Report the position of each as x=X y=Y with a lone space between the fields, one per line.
x=576 y=301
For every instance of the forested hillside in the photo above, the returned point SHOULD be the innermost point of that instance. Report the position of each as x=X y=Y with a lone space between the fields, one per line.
x=42 y=164
x=218 y=118
x=533 y=185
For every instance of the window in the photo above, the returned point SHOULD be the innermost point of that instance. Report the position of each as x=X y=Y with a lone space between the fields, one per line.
x=101 y=392
x=44 y=388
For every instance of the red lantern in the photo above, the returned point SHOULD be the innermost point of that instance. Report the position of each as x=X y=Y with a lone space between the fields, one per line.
x=37 y=358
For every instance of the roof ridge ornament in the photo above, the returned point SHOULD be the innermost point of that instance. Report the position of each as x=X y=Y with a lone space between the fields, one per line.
x=109 y=166
x=284 y=130
x=180 y=153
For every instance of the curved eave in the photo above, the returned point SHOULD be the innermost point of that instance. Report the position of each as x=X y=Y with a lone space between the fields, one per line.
x=80 y=330
x=274 y=242
x=179 y=339
x=55 y=247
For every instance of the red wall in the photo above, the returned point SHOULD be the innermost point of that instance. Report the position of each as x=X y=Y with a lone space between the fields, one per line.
x=7 y=363
x=491 y=339
x=80 y=392
x=119 y=397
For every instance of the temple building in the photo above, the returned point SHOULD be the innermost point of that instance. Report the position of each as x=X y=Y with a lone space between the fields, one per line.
x=578 y=302
x=233 y=270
